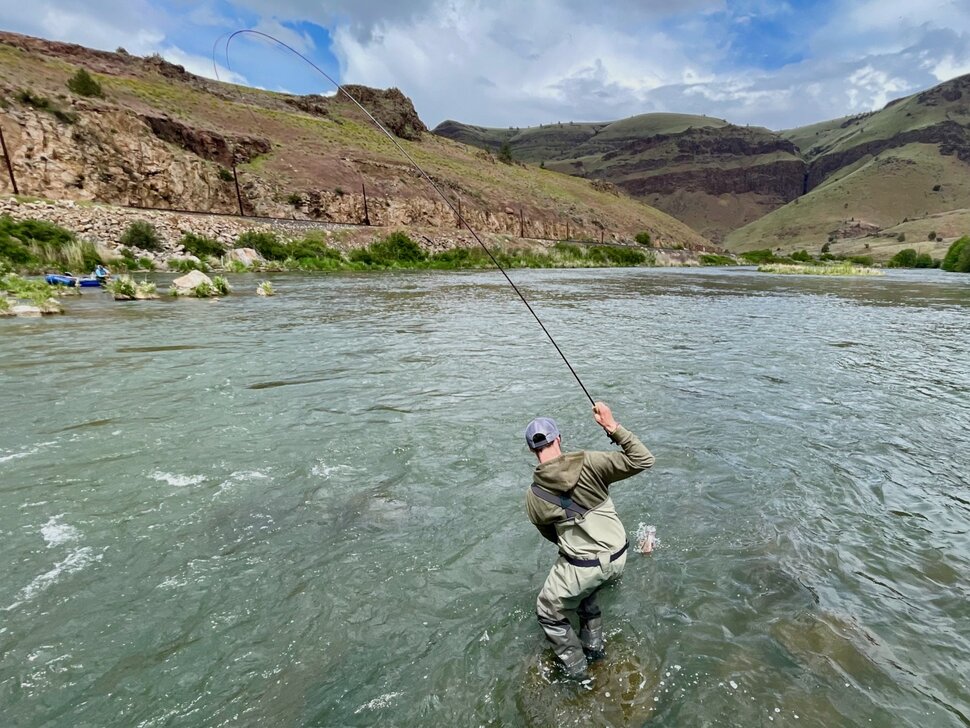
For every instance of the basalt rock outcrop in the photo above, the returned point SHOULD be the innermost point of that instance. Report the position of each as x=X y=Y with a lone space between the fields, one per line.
x=390 y=107
x=206 y=143
x=712 y=175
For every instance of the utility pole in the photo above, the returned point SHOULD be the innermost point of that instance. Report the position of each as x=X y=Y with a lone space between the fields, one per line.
x=6 y=156
x=366 y=214
x=235 y=179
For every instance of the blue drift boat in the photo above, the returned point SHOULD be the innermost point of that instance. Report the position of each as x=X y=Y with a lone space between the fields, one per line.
x=58 y=279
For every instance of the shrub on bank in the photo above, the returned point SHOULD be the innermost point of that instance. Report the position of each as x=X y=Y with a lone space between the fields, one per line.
x=711 y=259
x=202 y=247
x=905 y=258
x=757 y=257
x=643 y=238
x=616 y=256
x=264 y=243
x=141 y=234
x=36 y=244
x=957 y=258
x=394 y=251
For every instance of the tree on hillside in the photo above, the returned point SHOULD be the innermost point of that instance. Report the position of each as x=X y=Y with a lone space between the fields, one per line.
x=83 y=84
x=505 y=153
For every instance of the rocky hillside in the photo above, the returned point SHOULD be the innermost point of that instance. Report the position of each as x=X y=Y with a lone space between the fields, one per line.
x=163 y=138
x=852 y=180
x=870 y=177
x=713 y=175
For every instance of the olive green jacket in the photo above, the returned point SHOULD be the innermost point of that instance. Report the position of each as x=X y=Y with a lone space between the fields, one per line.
x=586 y=477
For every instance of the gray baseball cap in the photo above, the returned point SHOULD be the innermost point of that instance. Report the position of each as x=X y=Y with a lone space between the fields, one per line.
x=541 y=432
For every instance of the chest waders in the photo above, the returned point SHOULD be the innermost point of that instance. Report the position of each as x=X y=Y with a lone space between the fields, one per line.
x=573 y=511
x=560 y=595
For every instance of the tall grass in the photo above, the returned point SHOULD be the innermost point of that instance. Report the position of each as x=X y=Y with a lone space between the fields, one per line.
x=35 y=245
x=839 y=269
x=75 y=255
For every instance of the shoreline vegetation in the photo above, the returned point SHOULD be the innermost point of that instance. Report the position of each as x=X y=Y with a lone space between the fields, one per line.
x=821 y=269
x=37 y=246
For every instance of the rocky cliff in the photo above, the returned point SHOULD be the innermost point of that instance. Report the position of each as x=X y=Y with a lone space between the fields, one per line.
x=755 y=188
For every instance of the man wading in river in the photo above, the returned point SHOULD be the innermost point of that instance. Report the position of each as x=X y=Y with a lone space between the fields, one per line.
x=569 y=502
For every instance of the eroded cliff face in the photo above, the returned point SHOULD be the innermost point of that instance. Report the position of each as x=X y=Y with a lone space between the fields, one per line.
x=713 y=179
x=108 y=155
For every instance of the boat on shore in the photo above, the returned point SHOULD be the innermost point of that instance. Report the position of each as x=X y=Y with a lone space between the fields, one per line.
x=62 y=279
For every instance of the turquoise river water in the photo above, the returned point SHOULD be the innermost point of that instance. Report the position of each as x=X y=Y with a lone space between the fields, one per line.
x=308 y=510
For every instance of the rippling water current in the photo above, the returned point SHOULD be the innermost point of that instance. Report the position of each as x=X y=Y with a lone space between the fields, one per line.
x=308 y=510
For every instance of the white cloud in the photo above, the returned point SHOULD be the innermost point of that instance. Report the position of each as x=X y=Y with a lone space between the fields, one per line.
x=499 y=63
x=298 y=41
x=503 y=62
x=202 y=66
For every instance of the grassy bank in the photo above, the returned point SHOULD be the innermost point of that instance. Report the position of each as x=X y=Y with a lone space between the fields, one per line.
x=398 y=251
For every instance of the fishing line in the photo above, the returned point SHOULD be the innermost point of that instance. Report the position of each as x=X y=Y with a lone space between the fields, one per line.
x=427 y=177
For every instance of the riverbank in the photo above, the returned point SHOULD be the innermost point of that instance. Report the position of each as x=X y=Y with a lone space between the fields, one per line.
x=182 y=241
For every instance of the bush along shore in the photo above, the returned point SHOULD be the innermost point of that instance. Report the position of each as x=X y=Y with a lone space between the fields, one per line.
x=34 y=246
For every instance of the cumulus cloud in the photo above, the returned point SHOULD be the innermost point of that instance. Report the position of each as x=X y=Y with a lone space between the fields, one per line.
x=558 y=60
x=502 y=62
x=104 y=24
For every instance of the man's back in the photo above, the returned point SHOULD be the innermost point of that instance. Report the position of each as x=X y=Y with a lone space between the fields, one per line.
x=585 y=478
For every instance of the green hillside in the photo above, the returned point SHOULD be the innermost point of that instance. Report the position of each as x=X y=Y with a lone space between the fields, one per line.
x=870 y=176
x=713 y=175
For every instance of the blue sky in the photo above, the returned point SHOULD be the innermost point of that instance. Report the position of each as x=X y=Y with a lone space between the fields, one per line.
x=775 y=63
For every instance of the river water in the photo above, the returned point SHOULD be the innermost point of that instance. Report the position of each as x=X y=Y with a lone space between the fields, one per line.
x=308 y=510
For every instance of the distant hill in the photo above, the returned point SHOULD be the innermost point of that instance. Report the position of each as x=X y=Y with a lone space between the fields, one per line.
x=162 y=137
x=713 y=175
x=870 y=173
x=852 y=180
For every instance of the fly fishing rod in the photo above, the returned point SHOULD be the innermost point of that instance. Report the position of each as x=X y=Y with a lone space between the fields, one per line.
x=427 y=177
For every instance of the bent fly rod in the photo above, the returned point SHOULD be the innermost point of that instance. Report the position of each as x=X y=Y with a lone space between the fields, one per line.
x=425 y=175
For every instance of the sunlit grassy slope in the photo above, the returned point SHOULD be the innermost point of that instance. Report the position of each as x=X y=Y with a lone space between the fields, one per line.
x=903 y=169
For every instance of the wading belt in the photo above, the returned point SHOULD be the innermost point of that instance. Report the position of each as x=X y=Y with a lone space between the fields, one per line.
x=594 y=562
